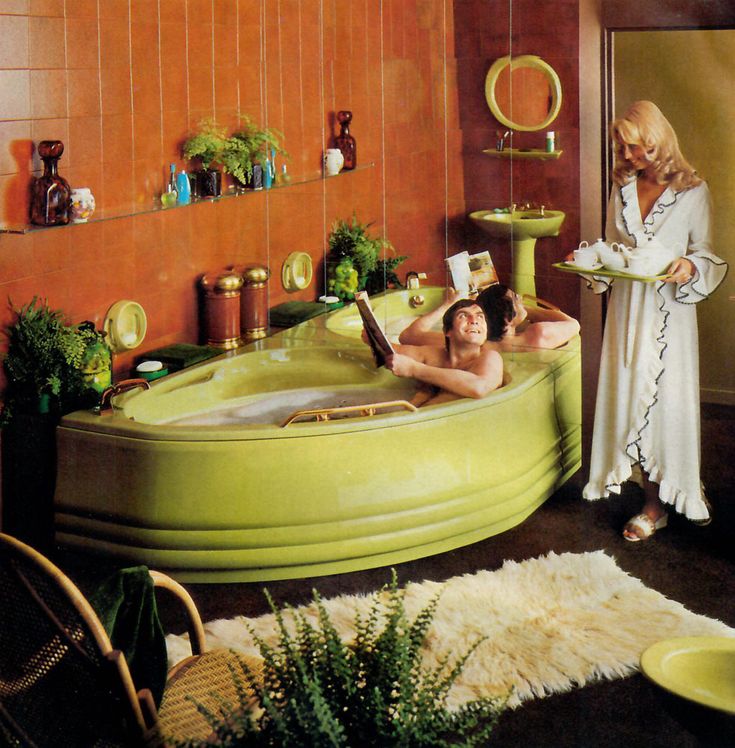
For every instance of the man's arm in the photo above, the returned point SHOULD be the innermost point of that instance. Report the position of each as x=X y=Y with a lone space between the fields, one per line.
x=421 y=332
x=483 y=376
x=550 y=327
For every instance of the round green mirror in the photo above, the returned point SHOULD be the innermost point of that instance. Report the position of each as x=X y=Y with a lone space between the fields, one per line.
x=523 y=93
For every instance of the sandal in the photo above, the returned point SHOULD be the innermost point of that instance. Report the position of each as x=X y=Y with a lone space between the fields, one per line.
x=644 y=525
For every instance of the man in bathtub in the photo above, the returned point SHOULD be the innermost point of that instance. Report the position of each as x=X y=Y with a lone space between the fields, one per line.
x=463 y=367
x=511 y=325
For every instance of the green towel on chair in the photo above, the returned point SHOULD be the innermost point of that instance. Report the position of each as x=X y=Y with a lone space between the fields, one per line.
x=126 y=605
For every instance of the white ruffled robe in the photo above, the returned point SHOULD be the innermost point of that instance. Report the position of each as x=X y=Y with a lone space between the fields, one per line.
x=647 y=409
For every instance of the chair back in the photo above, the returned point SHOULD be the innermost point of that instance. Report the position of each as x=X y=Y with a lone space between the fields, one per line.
x=61 y=682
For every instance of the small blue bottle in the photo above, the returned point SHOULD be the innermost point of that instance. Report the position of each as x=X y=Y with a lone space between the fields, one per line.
x=267 y=174
x=183 y=188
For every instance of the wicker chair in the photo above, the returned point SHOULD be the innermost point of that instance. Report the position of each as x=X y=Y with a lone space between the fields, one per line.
x=63 y=684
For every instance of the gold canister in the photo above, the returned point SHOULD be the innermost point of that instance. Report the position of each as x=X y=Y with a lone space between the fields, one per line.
x=222 y=308
x=254 y=303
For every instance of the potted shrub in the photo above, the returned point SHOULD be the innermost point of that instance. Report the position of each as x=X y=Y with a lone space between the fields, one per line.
x=207 y=145
x=355 y=261
x=51 y=368
x=250 y=152
x=316 y=690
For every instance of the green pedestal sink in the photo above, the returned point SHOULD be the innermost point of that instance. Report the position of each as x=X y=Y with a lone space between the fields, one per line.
x=522 y=227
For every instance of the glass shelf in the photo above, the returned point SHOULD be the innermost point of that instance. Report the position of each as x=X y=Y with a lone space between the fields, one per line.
x=156 y=207
x=524 y=153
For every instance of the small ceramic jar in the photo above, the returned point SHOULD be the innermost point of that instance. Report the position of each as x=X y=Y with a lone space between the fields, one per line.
x=82 y=204
x=333 y=161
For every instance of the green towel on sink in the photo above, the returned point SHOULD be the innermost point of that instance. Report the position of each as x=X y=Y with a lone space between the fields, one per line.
x=291 y=313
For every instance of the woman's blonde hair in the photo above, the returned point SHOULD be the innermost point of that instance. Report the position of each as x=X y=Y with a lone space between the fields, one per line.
x=644 y=124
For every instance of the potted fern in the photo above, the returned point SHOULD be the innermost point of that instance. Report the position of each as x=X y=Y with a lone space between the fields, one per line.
x=250 y=151
x=208 y=146
x=356 y=260
x=316 y=690
x=51 y=368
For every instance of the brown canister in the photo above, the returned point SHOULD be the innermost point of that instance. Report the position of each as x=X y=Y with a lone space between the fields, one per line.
x=222 y=308
x=254 y=303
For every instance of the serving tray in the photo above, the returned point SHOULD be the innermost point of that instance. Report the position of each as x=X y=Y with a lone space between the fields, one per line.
x=568 y=267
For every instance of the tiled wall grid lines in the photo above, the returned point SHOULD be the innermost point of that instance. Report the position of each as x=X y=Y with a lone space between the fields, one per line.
x=121 y=82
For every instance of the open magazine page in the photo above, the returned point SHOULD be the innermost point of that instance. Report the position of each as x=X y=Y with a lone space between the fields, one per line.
x=471 y=273
x=377 y=339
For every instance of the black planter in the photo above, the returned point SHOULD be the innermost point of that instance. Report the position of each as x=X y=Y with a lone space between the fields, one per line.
x=206 y=183
x=29 y=479
x=255 y=182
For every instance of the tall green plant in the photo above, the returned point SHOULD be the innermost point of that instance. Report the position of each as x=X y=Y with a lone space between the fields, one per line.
x=316 y=690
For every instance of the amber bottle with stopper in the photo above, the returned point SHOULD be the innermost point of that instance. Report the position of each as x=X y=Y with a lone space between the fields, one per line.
x=50 y=193
x=345 y=142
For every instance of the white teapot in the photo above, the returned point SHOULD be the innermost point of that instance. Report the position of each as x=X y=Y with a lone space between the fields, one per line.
x=614 y=256
x=650 y=258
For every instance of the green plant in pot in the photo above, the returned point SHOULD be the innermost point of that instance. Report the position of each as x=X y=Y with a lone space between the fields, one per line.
x=356 y=261
x=250 y=150
x=314 y=689
x=50 y=365
x=207 y=145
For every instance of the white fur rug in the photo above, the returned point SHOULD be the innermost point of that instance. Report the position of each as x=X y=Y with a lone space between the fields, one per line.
x=552 y=623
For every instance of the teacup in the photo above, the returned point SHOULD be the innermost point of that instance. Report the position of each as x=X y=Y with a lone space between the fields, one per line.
x=585 y=256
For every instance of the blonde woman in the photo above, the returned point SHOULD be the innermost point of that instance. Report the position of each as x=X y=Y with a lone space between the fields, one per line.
x=647 y=412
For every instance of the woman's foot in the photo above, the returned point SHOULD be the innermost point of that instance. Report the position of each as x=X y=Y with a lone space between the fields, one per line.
x=642 y=526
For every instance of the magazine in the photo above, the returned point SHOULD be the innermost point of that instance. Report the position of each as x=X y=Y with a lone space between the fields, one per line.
x=379 y=343
x=472 y=273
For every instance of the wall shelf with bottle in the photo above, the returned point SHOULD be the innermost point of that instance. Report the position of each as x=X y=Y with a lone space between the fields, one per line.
x=536 y=153
x=156 y=206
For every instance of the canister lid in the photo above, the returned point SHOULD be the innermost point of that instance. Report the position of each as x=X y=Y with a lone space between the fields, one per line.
x=222 y=282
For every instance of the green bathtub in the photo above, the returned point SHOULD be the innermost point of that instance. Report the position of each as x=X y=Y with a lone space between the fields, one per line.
x=198 y=476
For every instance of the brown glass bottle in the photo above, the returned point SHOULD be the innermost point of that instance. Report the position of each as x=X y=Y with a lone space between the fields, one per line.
x=345 y=142
x=50 y=193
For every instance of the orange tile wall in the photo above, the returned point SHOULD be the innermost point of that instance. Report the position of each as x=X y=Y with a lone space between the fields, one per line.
x=120 y=82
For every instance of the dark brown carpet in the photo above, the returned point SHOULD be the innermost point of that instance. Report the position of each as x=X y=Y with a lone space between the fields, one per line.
x=693 y=565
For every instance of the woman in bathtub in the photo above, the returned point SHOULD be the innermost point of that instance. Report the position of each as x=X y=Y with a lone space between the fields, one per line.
x=464 y=366
x=510 y=324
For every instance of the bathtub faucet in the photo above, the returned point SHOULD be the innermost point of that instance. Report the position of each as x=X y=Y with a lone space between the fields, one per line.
x=413 y=279
x=413 y=282
x=105 y=405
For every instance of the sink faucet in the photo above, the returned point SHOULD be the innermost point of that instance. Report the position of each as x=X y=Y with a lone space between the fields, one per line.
x=500 y=142
x=413 y=279
x=105 y=405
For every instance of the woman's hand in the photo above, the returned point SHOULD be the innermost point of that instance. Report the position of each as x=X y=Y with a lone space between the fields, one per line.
x=680 y=271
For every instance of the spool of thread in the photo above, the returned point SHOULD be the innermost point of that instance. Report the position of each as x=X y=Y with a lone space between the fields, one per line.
x=222 y=308
x=254 y=303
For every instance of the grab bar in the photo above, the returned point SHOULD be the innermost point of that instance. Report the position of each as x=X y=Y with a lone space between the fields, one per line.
x=369 y=409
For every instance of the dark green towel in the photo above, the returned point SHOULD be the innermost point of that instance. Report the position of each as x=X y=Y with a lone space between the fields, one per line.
x=126 y=605
x=291 y=313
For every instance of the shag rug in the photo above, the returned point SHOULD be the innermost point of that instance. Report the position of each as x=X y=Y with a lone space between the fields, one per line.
x=552 y=624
